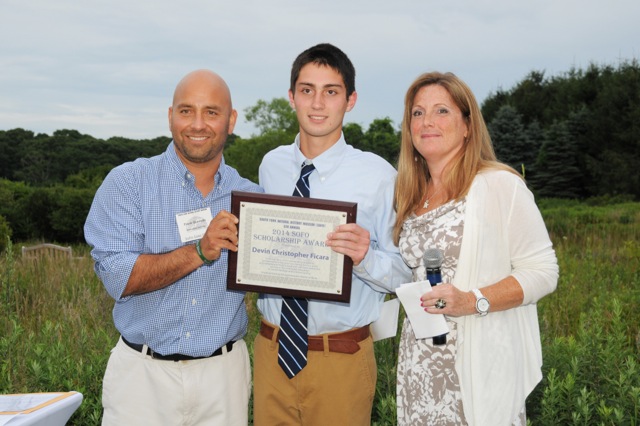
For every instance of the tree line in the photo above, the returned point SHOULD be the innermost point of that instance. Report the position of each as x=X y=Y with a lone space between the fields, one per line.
x=575 y=135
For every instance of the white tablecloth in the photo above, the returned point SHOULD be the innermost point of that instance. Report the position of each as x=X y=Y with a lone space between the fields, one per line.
x=38 y=409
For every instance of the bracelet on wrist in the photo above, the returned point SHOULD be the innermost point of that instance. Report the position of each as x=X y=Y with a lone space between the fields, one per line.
x=199 y=251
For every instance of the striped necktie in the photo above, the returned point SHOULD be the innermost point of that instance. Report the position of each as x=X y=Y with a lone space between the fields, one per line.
x=293 y=336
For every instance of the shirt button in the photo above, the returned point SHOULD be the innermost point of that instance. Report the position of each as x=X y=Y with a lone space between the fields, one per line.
x=187 y=334
x=194 y=302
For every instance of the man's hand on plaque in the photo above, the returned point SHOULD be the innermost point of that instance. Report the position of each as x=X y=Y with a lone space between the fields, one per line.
x=222 y=233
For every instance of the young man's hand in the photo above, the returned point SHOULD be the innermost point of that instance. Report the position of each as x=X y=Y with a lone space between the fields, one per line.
x=351 y=240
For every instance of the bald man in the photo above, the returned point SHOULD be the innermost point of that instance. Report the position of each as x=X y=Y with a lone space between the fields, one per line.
x=160 y=231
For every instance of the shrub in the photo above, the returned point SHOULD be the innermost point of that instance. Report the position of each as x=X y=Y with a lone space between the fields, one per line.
x=592 y=378
x=5 y=233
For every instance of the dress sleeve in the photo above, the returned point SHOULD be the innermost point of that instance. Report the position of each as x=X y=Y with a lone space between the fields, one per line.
x=533 y=259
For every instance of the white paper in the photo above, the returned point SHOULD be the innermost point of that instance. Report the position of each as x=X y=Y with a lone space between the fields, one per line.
x=423 y=323
x=387 y=324
x=283 y=247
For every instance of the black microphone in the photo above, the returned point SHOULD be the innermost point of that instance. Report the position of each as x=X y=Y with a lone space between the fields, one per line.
x=433 y=258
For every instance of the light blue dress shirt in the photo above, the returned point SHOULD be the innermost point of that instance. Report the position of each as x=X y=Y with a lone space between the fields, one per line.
x=344 y=173
x=134 y=212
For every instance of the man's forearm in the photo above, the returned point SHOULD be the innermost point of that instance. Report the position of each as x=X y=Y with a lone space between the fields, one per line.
x=155 y=271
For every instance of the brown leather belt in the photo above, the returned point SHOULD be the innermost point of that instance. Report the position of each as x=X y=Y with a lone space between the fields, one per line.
x=345 y=343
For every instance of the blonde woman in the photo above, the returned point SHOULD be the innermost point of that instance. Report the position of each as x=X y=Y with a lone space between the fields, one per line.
x=452 y=194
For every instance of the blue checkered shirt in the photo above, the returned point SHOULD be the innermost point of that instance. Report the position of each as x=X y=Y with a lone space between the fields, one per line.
x=134 y=212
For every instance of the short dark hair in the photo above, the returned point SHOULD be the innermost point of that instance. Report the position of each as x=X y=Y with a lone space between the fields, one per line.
x=328 y=55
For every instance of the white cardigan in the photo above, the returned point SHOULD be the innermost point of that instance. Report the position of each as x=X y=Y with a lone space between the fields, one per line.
x=499 y=356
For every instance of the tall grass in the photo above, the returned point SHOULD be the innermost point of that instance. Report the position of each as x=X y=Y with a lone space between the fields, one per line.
x=591 y=325
x=56 y=329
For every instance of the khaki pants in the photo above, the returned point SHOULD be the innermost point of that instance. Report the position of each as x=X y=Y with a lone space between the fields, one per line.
x=138 y=390
x=333 y=389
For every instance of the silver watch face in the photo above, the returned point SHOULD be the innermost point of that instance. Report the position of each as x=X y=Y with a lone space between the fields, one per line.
x=482 y=305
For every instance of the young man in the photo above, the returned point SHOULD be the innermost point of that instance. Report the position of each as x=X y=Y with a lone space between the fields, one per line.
x=337 y=384
x=181 y=358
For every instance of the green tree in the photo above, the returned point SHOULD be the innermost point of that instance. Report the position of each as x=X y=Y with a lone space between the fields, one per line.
x=557 y=172
x=32 y=212
x=510 y=140
x=11 y=142
x=611 y=140
x=354 y=135
x=532 y=96
x=601 y=108
x=36 y=162
x=382 y=139
x=44 y=160
x=69 y=213
x=5 y=233
x=90 y=178
x=493 y=103
x=612 y=173
x=12 y=207
x=245 y=155
x=275 y=115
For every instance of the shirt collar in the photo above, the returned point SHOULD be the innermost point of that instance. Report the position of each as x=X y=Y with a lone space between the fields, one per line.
x=326 y=162
x=182 y=170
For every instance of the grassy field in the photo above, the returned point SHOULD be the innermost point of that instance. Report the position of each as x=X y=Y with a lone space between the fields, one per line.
x=56 y=329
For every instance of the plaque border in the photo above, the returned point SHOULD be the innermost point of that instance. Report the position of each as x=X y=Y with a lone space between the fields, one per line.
x=349 y=208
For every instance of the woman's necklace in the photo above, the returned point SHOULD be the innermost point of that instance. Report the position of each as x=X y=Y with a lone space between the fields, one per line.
x=426 y=203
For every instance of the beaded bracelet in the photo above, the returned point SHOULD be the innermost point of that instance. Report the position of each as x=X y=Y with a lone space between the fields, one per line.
x=204 y=259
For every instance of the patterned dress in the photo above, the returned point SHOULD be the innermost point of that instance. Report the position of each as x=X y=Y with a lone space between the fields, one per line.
x=428 y=388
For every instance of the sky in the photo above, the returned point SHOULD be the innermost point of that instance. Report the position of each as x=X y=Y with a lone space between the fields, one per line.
x=109 y=67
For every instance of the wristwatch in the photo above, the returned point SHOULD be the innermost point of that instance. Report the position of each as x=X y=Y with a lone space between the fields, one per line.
x=482 y=304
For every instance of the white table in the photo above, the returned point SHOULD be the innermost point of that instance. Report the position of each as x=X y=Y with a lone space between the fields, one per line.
x=38 y=409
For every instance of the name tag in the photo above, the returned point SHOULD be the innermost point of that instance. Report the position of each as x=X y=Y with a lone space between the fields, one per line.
x=192 y=225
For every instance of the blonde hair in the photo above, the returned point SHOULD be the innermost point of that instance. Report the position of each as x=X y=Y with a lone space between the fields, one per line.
x=476 y=154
